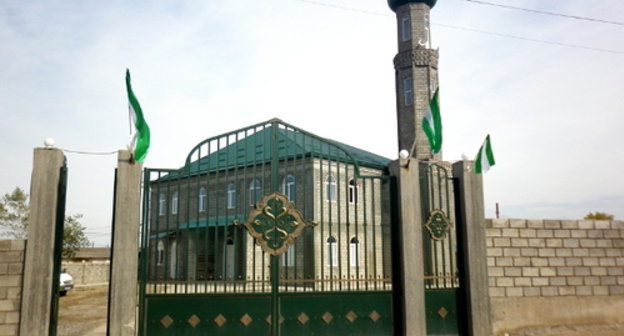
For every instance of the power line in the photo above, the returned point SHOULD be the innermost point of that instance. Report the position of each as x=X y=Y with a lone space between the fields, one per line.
x=530 y=39
x=576 y=17
x=87 y=153
x=351 y=9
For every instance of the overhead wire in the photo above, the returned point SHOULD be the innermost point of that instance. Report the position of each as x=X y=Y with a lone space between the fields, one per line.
x=479 y=31
x=576 y=17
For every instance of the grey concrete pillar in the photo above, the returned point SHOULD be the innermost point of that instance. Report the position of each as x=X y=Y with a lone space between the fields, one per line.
x=410 y=246
x=125 y=251
x=39 y=260
x=472 y=225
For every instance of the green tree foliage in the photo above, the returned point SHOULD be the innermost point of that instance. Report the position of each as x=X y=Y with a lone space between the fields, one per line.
x=14 y=211
x=73 y=236
x=598 y=216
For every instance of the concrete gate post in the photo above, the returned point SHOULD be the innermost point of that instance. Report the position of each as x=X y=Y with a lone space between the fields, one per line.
x=474 y=248
x=39 y=259
x=125 y=249
x=412 y=282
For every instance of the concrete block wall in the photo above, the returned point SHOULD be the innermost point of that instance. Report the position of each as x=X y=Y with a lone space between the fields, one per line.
x=530 y=258
x=88 y=272
x=11 y=274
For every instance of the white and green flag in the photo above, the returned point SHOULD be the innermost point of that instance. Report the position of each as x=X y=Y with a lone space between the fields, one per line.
x=140 y=139
x=432 y=124
x=485 y=157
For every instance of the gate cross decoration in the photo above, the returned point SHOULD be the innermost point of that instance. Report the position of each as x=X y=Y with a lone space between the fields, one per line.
x=275 y=223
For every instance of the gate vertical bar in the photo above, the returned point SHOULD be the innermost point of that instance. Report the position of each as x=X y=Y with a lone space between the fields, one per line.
x=275 y=313
x=58 y=247
x=471 y=222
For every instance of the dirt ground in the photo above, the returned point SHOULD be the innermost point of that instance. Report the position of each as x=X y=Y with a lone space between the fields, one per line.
x=597 y=330
x=83 y=313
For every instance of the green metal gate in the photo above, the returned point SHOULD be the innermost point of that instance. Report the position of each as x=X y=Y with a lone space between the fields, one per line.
x=267 y=230
x=443 y=291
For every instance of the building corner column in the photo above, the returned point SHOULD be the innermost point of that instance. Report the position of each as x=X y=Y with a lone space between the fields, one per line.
x=125 y=247
x=469 y=193
x=411 y=291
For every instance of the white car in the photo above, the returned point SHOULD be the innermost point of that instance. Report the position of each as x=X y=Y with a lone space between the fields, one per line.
x=67 y=283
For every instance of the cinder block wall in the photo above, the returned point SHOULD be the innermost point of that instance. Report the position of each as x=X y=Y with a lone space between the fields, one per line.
x=536 y=267
x=11 y=273
x=88 y=272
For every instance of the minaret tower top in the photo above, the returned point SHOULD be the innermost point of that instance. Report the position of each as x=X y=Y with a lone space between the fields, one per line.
x=416 y=73
x=394 y=4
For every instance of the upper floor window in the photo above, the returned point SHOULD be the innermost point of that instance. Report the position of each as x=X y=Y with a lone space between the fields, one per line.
x=332 y=251
x=353 y=192
x=406 y=28
x=408 y=92
x=255 y=192
x=202 y=199
x=288 y=187
x=354 y=250
x=174 y=203
x=331 y=193
x=161 y=253
x=162 y=204
x=288 y=258
x=231 y=196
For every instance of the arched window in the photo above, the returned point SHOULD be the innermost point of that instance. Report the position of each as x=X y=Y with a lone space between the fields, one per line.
x=202 y=199
x=330 y=189
x=288 y=187
x=408 y=91
x=332 y=252
x=161 y=253
x=288 y=258
x=231 y=196
x=406 y=28
x=353 y=192
x=174 y=203
x=255 y=192
x=162 y=204
x=354 y=250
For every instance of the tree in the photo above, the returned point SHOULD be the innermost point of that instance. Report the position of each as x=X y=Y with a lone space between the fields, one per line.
x=73 y=236
x=599 y=216
x=14 y=211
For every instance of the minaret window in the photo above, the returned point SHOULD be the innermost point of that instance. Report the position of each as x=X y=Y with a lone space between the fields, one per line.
x=408 y=91
x=406 y=29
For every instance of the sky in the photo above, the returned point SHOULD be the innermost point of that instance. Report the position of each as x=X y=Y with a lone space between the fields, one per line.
x=202 y=68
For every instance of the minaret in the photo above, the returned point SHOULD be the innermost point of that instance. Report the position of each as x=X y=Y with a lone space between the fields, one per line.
x=416 y=74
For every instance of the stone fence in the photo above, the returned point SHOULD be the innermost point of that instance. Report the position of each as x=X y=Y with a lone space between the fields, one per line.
x=11 y=273
x=88 y=272
x=539 y=268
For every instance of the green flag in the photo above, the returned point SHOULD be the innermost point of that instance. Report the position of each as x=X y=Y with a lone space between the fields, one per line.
x=432 y=124
x=485 y=157
x=140 y=140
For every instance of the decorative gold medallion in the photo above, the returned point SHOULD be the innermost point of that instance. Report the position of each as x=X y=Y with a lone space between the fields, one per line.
x=246 y=320
x=438 y=225
x=374 y=316
x=443 y=312
x=275 y=223
x=303 y=318
x=193 y=321
x=351 y=316
x=220 y=320
x=327 y=317
x=166 y=321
